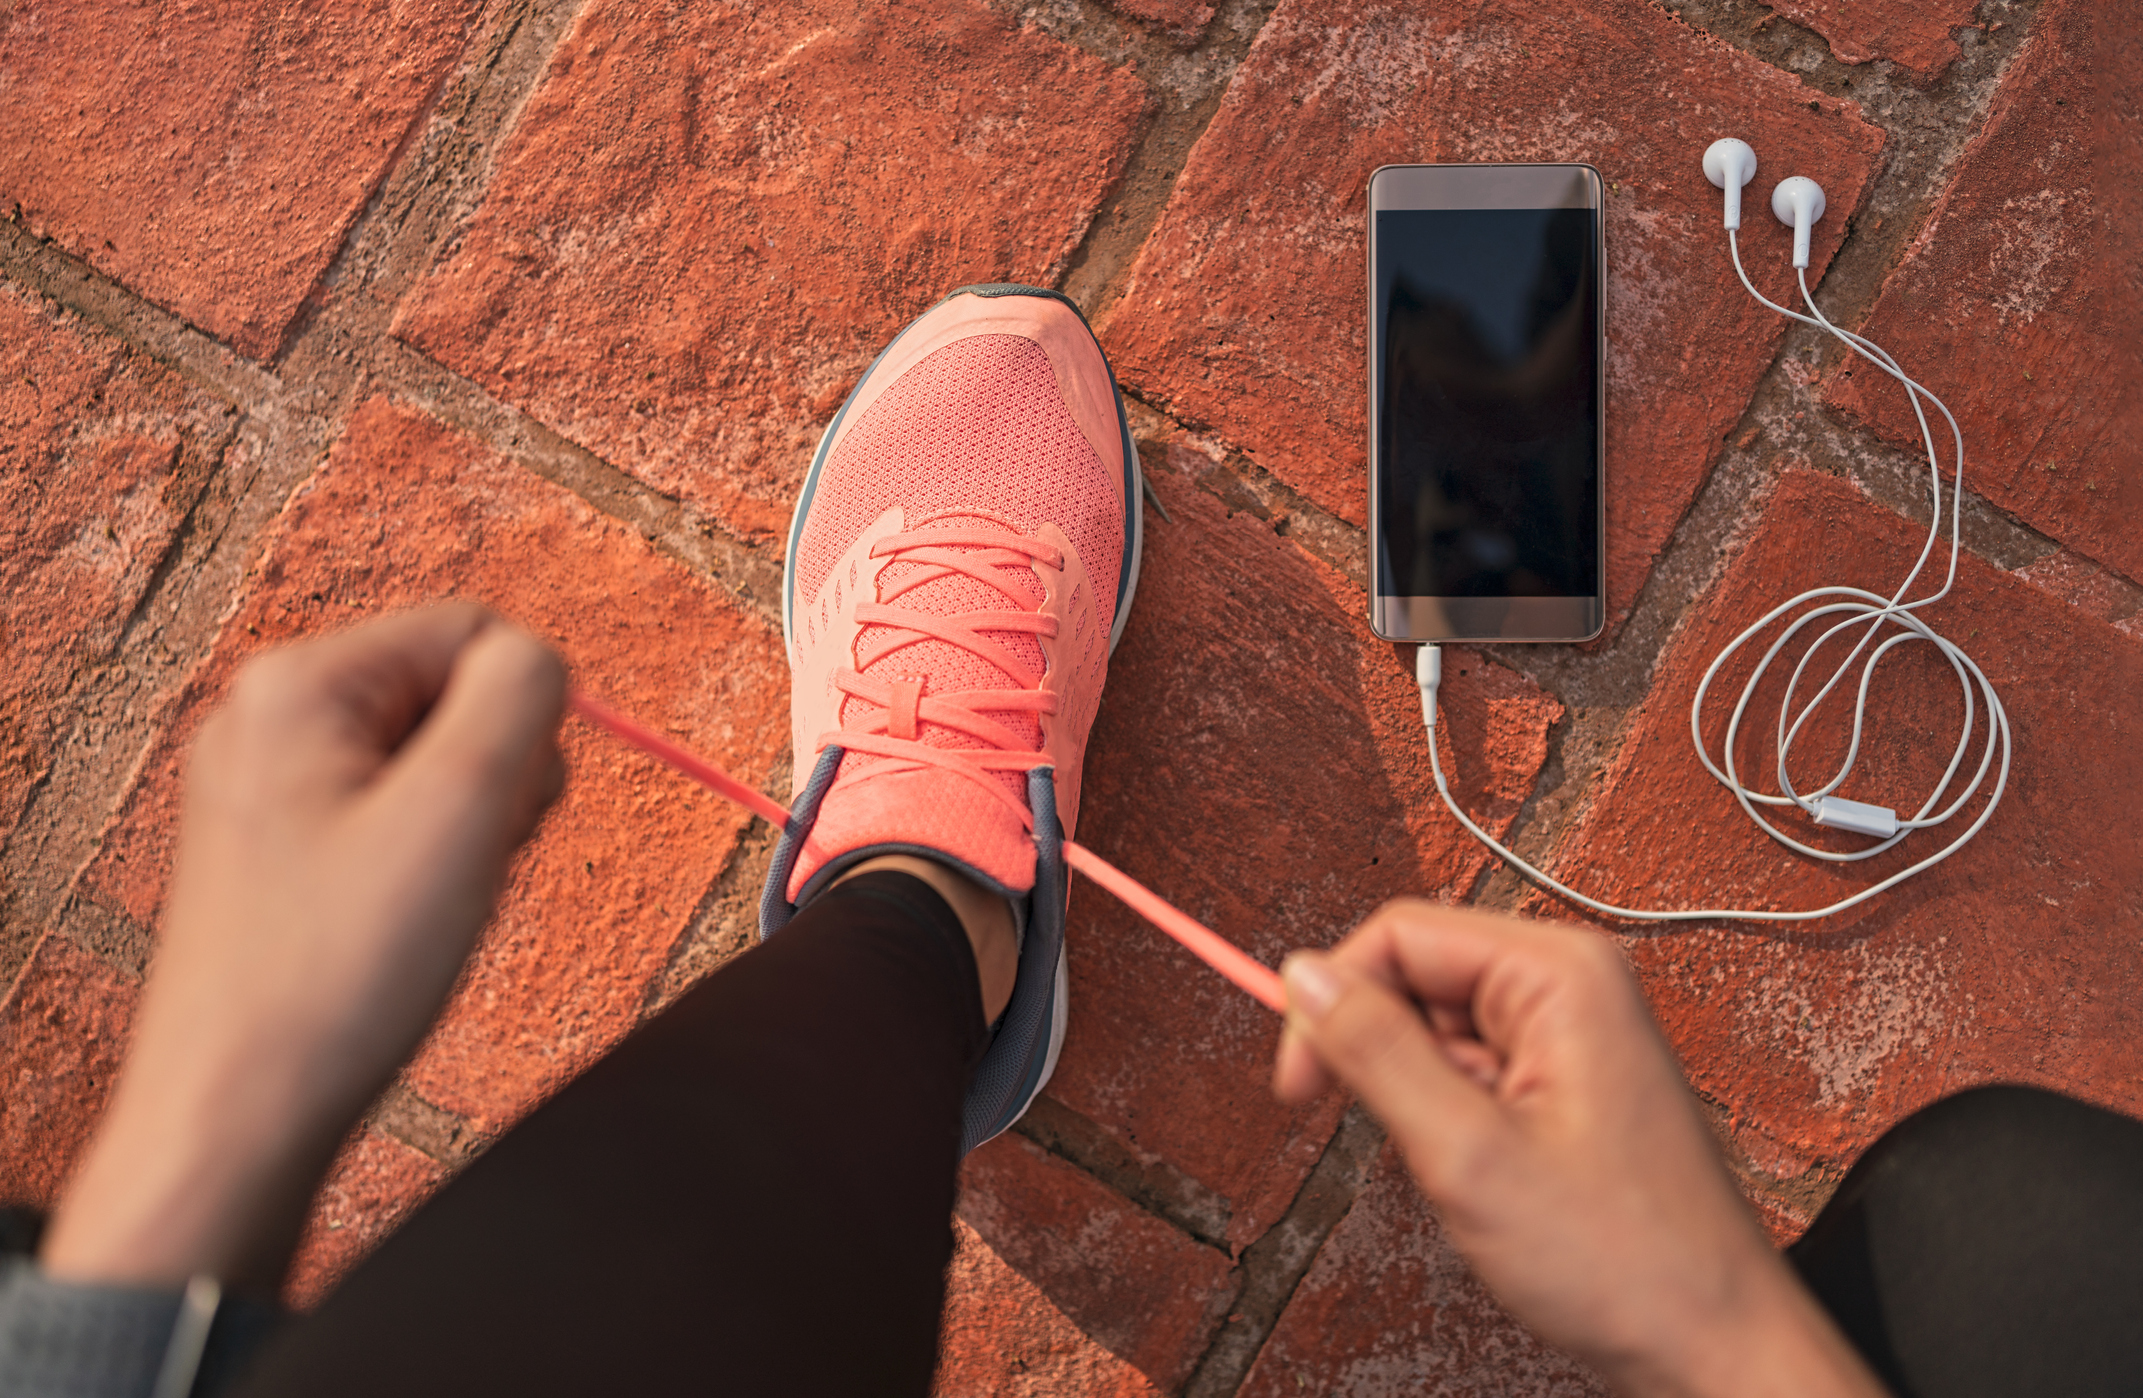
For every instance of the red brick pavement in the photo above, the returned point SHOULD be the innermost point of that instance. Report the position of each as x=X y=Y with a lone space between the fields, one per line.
x=1914 y=34
x=102 y=453
x=63 y=1028
x=653 y=276
x=212 y=158
x=829 y=171
x=405 y=510
x=1390 y=1307
x=2019 y=301
x=1243 y=311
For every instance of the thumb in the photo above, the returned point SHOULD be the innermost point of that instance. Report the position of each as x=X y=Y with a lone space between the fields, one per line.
x=483 y=758
x=1376 y=1042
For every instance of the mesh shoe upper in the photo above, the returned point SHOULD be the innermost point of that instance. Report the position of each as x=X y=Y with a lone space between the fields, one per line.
x=955 y=580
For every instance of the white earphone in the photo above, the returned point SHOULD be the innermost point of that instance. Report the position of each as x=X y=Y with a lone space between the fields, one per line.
x=1798 y=202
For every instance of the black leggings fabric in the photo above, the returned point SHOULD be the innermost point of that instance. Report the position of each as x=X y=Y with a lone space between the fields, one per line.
x=1990 y=1244
x=751 y=1195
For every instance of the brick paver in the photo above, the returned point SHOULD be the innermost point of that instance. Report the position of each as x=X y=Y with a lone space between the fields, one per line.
x=102 y=453
x=1181 y=20
x=1917 y=35
x=375 y=1182
x=1137 y=1286
x=675 y=235
x=2019 y=301
x=212 y=158
x=63 y=1027
x=1002 y=1337
x=1390 y=1307
x=405 y=510
x=2013 y=961
x=1245 y=310
x=829 y=172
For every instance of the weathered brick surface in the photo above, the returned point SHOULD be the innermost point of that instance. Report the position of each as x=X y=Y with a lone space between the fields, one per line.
x=1140 y=1288
x=1390 y=1307
x=1181 y=20
x=2086 y=587
x=213 y=157
x=63 y=1030
x=404 y=511
x=2013 y=961
x=1917 y=35
x=1259 y=762
x=711 y=218
x=1245 y=309
x=1002 y=1337
x=2018 y=302
x=102 y=453
x=375 y=1183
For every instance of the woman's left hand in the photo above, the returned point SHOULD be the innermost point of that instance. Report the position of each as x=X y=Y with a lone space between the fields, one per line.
x=350 y=814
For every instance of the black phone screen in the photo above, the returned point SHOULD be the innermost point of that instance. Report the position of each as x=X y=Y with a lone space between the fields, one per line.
x=1488 y=417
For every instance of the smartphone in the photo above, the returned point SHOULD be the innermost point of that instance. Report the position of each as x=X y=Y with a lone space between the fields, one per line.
x=1487 y=374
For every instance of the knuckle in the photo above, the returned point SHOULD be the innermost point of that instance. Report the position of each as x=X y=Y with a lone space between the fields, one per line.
x=268 y=684
x=1372 y=1034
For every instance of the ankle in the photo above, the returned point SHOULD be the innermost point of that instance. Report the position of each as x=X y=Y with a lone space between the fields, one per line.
x=985 y=916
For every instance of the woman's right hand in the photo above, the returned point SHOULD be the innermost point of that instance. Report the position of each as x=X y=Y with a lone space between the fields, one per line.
x=1521 y=1076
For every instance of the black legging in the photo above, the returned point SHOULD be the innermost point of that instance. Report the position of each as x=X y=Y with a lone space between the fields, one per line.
x=752 y=1196
x=1990 y=1244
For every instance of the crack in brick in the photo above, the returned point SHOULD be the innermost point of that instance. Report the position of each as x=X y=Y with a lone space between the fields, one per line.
x=677 y=529
x=1274 y=1265
x=444 y=1136
x=1189 y=83
x=1154 y=1185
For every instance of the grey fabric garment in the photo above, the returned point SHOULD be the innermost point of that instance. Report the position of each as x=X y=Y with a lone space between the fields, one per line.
x=63 y=1341
x=60 y=1340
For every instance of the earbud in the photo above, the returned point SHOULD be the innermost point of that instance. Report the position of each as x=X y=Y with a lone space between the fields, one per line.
x=1798 y=202
x=1730 y=164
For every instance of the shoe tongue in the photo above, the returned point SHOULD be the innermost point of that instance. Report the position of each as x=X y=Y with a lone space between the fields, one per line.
x=946 y=668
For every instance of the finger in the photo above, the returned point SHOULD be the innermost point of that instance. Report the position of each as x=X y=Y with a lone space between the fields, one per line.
x=1480 y=975
x=384 y=677
x=1380 y=947
x=366 y=687
x=1297 y=1076
x=1371 y=949
x=485 y=758
x=1369 y=1037
x=1475 y=1059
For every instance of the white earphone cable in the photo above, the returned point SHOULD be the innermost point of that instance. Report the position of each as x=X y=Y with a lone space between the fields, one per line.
x=1857 y=608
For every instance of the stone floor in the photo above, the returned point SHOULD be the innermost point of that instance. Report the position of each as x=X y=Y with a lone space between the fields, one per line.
x=307 y=313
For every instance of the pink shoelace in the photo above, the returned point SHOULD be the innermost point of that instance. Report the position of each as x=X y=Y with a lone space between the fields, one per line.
x=1252 y=976
x=978 y=552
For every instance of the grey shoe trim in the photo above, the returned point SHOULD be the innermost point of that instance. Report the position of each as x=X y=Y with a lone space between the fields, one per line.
x=1029 y=1034
x=1024 y=1046
x=1134 y=473
x=775 y=909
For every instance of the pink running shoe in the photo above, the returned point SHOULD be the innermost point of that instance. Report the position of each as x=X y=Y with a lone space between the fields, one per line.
x=959 y=569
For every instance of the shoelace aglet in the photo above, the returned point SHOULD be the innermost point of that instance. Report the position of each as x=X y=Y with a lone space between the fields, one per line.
x=1252 y=976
